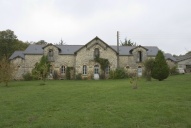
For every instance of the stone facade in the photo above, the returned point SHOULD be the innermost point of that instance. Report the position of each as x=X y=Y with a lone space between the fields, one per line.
x=81 y=58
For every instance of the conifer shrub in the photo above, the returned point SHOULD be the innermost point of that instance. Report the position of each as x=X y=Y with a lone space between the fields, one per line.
x=160 y=70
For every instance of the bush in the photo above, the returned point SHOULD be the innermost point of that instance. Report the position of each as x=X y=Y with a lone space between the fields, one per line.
x=28 y=76
x=119 y=73
x=79 y=76
x=148 y=69
x=55 y=75
x=173 y=71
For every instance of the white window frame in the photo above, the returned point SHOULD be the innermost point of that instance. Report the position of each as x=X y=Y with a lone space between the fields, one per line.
x=84 y=70
x=63 y=69
x=96 y=69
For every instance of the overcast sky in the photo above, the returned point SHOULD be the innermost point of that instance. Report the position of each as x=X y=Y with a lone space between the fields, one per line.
x=162 y=23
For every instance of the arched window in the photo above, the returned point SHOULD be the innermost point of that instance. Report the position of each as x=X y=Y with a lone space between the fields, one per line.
x=96 y=69
x=63 y=69
x=84 y=69
x=96 y=52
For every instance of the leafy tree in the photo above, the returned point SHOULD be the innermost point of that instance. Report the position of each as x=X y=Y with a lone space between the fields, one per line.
x=7 y=40
x=188 y=53
x=41 y=42
x=6 y=70
x=9 y=43
x=160 y=69
x=128 y=43
x=20 y=45
x=148 y=68
x=41 y=69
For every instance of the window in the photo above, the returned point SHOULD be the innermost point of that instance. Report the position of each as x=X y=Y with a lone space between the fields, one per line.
x=107 y=69
x=84 y=69
x=50 y=53
x=63 y=69
x=139 y=57
x=96 y=52
x=96 y=69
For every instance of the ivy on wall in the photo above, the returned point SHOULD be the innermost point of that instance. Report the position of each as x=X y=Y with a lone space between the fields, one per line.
x=68 y=73
x=103 y=62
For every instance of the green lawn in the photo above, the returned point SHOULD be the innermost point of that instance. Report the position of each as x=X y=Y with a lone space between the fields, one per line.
x=97 y=104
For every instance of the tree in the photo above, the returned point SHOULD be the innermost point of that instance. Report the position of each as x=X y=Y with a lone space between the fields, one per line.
x=160 y=69
x=7 y=40
x=128 y=43
x=41 y=42
x=6 y=70
x=20 y=45
x=41 y=69
x=148 y=68
x=61 y=42
x=9 y=43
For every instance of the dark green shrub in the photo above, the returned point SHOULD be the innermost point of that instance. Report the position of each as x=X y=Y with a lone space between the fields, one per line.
x=79 y=76
x=148 y=68
x=160 y=69
x=102 y=76
x=55 y=75
x=68 y=73
x=119 y=73
x=173 y=71
x=27 y=76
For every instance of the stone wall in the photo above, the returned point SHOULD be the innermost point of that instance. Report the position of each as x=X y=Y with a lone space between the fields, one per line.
x=182 y=64
x=30 y=61
x=19 y=68
x=86 y=57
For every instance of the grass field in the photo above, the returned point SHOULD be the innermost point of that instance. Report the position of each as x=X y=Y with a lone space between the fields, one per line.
x=97 y=104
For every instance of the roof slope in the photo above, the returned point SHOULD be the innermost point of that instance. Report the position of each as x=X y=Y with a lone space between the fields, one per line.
x=183 y=57
x=69 y=49
x=169 y=56
x=17 y=54
x=34 y=49
x=125 y=50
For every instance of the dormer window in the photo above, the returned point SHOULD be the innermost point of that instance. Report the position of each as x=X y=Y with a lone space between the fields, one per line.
x=50 y=55
x=96 y=52
x=139 y=56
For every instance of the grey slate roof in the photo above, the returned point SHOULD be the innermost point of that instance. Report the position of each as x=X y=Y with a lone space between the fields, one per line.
x=125 y=50
x=183 y=57
x=169 y=56
x=34 y=49
x=71 y=49
x=17 y=54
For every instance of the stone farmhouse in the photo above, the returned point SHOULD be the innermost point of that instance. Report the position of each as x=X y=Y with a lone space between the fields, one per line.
x=81 y=58
x=184 y=61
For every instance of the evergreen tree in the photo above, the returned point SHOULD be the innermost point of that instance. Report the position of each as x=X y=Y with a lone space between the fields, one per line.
x=160 y=70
